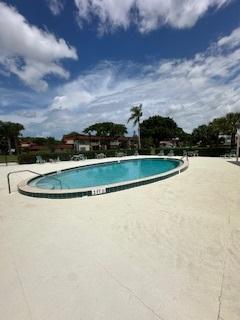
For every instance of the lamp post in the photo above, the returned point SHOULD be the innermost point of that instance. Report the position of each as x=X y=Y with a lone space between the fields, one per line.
x=238 y=141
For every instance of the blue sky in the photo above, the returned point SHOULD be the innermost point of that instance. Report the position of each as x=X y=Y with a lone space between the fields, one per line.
x=65 y=64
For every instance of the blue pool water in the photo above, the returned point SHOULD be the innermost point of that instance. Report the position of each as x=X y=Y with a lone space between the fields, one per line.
x=104 y=174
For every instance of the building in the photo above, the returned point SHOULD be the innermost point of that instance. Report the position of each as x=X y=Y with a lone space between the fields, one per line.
x=80 y=142
x=225 y=139
x=170 y=143
x=83 y=142
x=29 y=146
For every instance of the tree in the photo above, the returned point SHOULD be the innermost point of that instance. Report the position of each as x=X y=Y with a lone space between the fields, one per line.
x=206 y=134
x=107 y=129
x=227 y=125
x=51 y=143
x=209 y=134
x=38 y=140
x=136 y=114
x=10 y=131
x=159 y=128
x=117 y=130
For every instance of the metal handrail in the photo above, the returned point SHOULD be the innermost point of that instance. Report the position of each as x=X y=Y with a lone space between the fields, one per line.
x=37 y=173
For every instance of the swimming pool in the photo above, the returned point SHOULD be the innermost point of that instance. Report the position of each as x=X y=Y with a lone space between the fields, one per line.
x=101 y=178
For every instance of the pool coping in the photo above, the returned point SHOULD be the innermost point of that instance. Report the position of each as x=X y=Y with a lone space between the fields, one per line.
x=25 y=189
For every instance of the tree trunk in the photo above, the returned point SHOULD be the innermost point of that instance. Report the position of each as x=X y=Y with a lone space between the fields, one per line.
x=16 y=145
x=139 y=138
x=238 y=146
x=233 y=140
x=6 y=159
x=9 y=145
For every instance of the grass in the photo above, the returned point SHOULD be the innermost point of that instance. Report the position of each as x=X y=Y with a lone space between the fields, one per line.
x=9 y=158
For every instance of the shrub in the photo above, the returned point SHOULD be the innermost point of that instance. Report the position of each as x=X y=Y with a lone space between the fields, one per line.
x=26 y=158
x=203 y=152
x=144 y=151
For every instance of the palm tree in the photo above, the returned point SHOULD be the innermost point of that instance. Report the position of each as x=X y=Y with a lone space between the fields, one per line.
x=136 y=114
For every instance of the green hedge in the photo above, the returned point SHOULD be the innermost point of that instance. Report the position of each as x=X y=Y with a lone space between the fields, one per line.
x=108 y=153
x=147 y=151
x=26 y=158
x=204 y=152
x=8 y=158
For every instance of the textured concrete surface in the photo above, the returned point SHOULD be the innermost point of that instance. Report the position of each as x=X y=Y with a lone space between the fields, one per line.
x=169 y=250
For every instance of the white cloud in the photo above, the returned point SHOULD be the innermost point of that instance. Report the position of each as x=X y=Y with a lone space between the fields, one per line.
x=231 y=41
x=147 y=15
x=29 y=52
x=192 y=91
x=27 y=114
x=56 y=6
x=23 y=106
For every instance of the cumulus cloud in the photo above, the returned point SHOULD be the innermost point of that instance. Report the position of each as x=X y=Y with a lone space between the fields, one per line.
x=147 y=15
x=56 y=6
x=192 y=91
x=29 y=52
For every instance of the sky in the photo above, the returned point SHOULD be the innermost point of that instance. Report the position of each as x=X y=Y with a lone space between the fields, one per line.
x=67 y=64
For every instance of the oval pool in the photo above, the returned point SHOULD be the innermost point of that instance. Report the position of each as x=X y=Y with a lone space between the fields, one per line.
x=101 y=177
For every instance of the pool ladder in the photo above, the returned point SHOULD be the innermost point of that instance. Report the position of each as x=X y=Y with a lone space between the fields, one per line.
x=37 y=173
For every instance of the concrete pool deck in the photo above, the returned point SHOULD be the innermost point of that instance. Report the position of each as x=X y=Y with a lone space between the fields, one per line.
x=168 y=250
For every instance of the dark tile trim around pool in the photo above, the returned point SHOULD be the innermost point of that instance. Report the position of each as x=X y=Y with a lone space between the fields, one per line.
x=83 y=193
